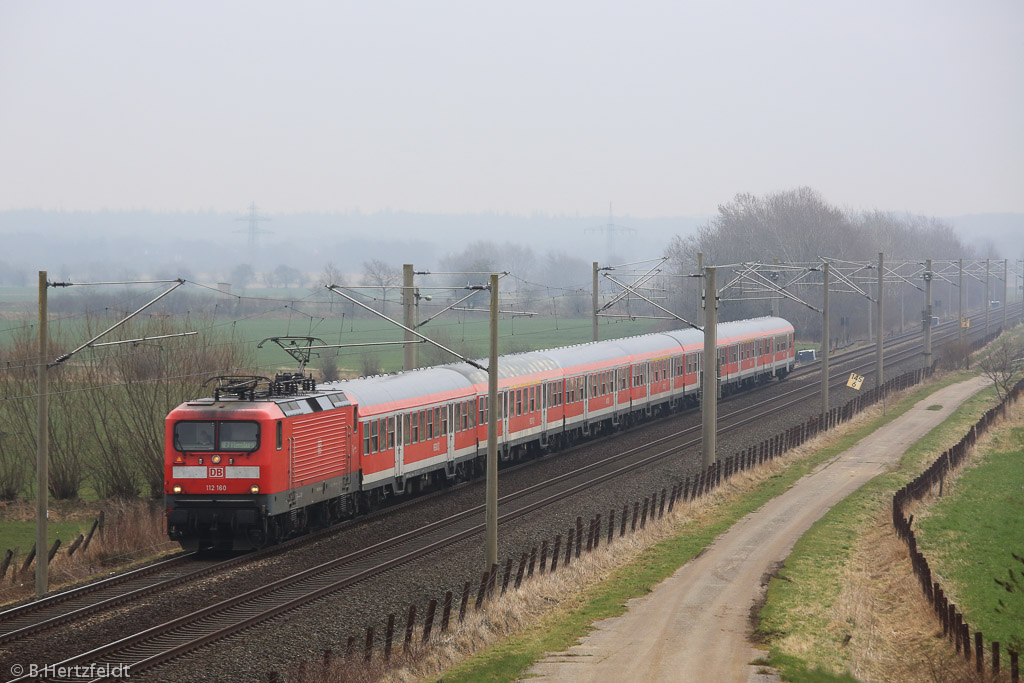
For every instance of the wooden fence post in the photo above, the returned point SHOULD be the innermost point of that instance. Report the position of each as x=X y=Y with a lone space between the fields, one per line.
x=28 y=560
x=8 y=556
x=368 y=650
x=508 y=573
x=71 y=549
x=88 y=537
x=428 y=623
x=446 y=612
x=410 y=624
x=481 y=591
x=465 y=600
x=492 y=580
x=388 y=636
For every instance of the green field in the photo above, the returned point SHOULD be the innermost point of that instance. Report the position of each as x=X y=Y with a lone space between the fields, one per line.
x=969 y=535
x=22 y=535
x=19 y=295
x=467 y=337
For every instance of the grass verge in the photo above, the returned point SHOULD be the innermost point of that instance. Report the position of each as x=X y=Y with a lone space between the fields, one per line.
x=133 y=531
x=807 y=620
x=970 y=533
x=556 y=631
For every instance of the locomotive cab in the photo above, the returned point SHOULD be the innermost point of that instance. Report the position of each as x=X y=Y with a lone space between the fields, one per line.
x=218 y=457
x=249 y=467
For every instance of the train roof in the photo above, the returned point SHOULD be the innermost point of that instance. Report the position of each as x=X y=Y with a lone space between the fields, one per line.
x=382 y=393
x=734 y=331
x=387 y=392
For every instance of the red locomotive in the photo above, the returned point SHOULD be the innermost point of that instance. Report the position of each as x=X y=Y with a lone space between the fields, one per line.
x=265 y=459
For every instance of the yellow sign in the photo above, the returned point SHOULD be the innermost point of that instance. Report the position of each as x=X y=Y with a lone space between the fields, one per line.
x=855 y=381
x=965 y=322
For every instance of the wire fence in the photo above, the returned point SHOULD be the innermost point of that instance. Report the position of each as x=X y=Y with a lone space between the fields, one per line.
x=11 y=559
x=954 y=625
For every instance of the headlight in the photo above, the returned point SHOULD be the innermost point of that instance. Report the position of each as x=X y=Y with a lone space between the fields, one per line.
x=176 y=488
x=215 y=459
x=254 y=489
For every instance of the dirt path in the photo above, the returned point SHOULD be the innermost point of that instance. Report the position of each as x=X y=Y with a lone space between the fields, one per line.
x=694 y=625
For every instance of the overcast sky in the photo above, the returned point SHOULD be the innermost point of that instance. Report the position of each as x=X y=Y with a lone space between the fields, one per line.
x=664 y=108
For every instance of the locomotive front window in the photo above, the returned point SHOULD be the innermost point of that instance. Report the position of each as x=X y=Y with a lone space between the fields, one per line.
x=194 y=436
x=239 y=436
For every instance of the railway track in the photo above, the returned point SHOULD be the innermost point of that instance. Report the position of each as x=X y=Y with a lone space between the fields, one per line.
x=92 y=598
x=159 y=644
x=941 y=333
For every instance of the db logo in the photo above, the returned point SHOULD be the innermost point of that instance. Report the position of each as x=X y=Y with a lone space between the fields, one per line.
x=217 y=472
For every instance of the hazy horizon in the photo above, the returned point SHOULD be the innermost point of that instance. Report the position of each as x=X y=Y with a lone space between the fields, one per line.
x=664 y=109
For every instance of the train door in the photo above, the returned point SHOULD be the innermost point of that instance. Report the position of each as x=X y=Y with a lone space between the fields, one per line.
x=291 y=472
x=401 y=433
x=545 y=389
x=505 y=409
x=588 y=383
x=451 y=427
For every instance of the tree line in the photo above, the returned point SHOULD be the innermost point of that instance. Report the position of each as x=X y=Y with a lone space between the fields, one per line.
x=107 y=406
x=799 y=226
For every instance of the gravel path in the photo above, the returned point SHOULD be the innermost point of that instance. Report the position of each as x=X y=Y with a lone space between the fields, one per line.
x=700 y=615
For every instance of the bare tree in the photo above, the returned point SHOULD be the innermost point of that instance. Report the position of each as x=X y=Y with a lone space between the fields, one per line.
x=242 y=275
x=381 y=274
x=1003 y=363
x=570 y=279
x=331 y=275
x=286 y=275
x=955 y=354
x=799 y=226
x=329 y=367
x=369 y=363
x=107 y=407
